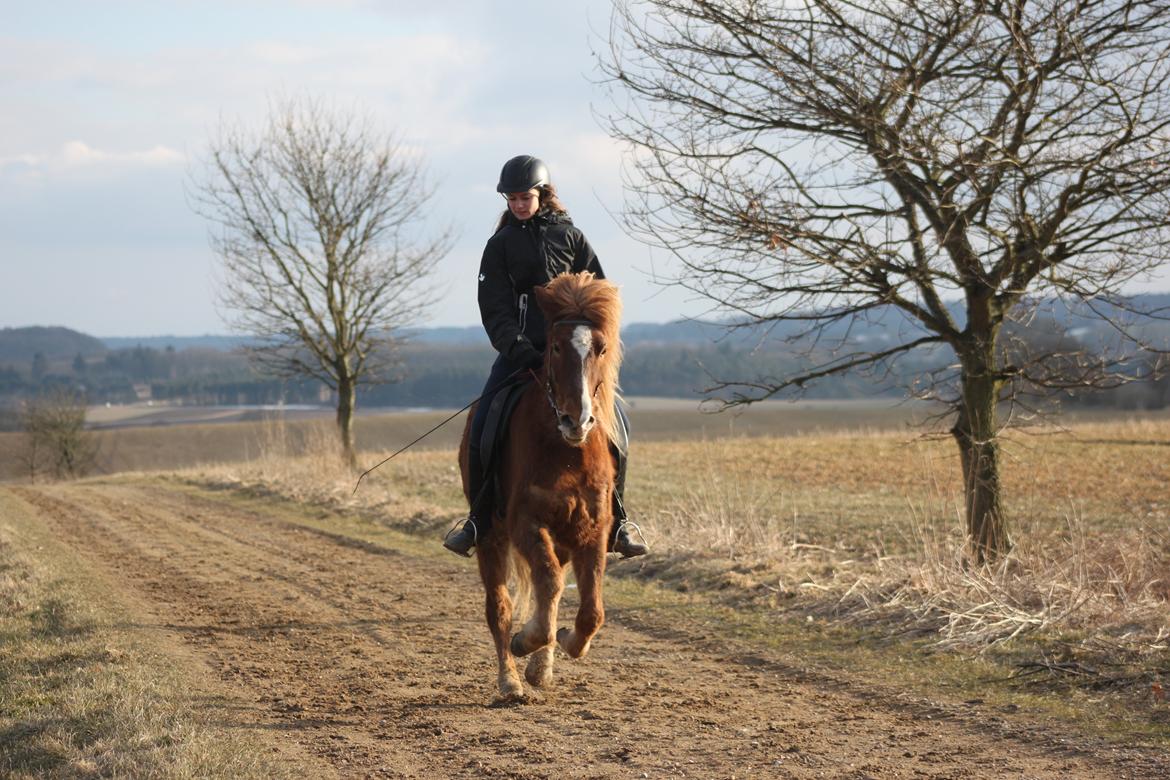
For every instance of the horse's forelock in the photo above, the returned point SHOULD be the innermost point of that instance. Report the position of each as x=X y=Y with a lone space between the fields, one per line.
x=585 y=297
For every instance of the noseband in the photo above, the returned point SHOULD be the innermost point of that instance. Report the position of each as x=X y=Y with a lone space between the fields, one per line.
x=548 y=373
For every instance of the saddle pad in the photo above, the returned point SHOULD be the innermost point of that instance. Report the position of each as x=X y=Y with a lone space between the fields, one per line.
x=496 y=424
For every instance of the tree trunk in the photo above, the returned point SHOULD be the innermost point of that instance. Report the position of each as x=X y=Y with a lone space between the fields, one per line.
x=346 y=402
x=976 y=434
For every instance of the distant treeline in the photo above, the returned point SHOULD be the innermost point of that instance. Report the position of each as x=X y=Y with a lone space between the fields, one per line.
x=431 y=375
x=447 y=369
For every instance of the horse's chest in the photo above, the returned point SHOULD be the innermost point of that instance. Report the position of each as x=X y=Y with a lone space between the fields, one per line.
x=573 y=497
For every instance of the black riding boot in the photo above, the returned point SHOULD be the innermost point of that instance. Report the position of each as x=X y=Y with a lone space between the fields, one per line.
x=620 y=542
x=479 y=519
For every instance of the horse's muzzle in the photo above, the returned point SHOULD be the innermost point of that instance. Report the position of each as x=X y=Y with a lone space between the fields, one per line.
x=574 y=435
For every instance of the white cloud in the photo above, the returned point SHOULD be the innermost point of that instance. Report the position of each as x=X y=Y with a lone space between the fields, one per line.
x=100 y=120
x=77 y=154
x=421 y=82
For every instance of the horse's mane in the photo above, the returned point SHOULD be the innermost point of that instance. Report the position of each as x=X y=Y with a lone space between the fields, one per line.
x=582 y=296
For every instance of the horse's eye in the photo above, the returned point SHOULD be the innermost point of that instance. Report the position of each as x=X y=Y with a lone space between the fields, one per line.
x=556 y=349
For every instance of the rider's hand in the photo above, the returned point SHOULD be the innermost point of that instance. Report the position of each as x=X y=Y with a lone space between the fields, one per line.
x=524 y=354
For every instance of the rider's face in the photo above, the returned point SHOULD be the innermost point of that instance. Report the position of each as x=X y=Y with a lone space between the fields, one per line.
x=523 y=205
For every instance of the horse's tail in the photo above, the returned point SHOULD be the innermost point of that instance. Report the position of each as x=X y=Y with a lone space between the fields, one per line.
x=519 y=586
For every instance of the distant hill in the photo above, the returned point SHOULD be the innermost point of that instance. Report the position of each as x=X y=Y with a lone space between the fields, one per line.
x=680 y=332
x=882 y=324
x=446 y=366
x=467 y=336
x=20 y=345
x=222 y=343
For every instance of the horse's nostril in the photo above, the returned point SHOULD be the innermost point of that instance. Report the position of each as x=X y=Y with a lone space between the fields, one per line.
x=566 y=421
x=591 y=420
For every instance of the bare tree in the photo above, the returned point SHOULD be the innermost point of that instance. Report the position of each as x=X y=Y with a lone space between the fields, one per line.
x=56 y=441
x=825 y=161
x=322 y=231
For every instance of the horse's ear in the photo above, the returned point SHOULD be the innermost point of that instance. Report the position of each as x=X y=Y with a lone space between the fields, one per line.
x=543 y=298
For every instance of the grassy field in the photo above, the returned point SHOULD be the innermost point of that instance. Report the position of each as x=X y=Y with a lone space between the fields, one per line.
x=155 y=438
x=843 y=518
x=862 y=525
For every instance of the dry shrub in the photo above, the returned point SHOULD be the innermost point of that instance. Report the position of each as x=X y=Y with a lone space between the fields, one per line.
x=1068 y=581
x=303 y=462
x=728 y=515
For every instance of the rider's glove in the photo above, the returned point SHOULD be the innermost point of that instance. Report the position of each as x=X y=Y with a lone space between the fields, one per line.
x=523 y=354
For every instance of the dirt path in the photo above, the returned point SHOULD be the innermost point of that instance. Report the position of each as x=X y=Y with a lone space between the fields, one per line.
x=376 y=663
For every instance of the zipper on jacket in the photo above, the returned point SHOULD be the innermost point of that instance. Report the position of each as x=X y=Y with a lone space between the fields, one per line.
x=523 y=311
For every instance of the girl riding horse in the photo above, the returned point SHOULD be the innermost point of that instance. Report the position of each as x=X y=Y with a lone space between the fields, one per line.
x=556 y=477
x=534 y=242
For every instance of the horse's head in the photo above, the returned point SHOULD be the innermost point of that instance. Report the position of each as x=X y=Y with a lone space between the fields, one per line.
x=583 y=353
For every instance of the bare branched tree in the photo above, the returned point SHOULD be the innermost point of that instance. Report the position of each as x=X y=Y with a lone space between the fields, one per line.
x=56 y=441
x=825 y=161
x=322 y=231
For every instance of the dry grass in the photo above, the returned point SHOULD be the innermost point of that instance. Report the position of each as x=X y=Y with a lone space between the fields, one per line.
x=418 y=490
x=1071 y=580
x=866 y=530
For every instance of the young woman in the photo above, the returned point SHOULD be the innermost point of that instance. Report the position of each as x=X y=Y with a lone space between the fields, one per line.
x=534 y=241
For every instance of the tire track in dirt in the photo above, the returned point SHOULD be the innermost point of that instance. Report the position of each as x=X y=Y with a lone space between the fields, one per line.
x=379 y=664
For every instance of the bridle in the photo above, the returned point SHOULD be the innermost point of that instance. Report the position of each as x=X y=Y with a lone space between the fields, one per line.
x=549 y=389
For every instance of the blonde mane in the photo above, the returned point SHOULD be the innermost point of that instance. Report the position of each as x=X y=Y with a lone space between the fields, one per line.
x=582 y=296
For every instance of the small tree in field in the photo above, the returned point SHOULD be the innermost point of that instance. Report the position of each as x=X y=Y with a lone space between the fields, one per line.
x=56 y=441
x=822 y=160
x=321 y=235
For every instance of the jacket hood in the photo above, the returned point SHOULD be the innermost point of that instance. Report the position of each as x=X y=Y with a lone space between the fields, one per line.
x=541 y=217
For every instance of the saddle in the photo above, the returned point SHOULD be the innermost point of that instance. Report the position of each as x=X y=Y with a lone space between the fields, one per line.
x=495 y=427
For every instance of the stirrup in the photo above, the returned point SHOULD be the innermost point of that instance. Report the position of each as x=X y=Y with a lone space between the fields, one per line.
x=456 y=540
x=638 y=548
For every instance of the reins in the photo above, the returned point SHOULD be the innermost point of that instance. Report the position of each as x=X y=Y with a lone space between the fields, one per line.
x=384 y=461
x=548 y=390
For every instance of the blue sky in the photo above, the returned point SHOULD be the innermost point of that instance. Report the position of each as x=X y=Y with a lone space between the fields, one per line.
x=108 y=107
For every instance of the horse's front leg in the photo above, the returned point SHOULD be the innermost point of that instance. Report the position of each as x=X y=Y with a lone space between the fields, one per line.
x=494 y=572
x=589 y=566
x=547 y=583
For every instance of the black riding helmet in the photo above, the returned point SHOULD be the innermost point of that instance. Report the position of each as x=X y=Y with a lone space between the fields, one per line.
x=521 y=174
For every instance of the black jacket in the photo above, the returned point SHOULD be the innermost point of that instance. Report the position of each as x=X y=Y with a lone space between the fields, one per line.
x=519 y=257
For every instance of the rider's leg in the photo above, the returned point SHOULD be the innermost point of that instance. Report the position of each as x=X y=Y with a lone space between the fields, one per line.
x=479 y=518
x=620 y=541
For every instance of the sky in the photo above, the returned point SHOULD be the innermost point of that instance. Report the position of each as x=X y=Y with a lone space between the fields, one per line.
x=108 y=108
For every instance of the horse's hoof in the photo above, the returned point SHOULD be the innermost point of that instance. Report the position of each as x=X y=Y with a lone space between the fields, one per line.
x=516 y=647
x=538 y=673
x=510 y=694
x=563 y=639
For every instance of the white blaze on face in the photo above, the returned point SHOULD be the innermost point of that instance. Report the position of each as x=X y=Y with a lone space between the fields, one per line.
x=583 y=341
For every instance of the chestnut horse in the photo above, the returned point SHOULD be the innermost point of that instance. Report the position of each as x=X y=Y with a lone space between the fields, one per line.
x=555 y=474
